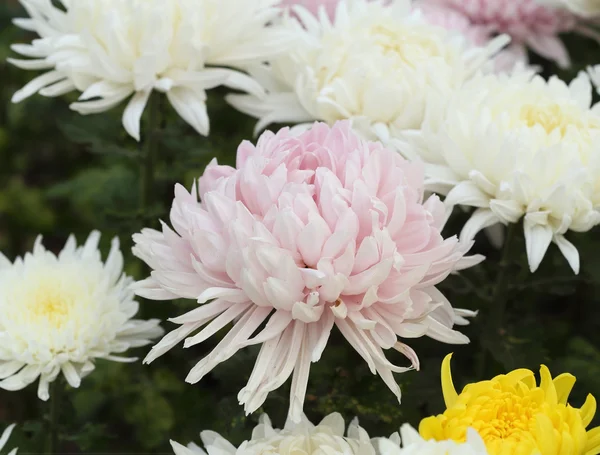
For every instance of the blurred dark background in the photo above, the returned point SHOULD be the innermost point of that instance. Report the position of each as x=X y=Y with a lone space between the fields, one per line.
x=62 y=173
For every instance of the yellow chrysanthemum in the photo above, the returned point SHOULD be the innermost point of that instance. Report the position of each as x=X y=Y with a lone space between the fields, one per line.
x=514 y=415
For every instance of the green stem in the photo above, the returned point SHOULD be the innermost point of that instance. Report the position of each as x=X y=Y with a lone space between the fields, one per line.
x=53 y=427
x=149 y=152
x=496 y=316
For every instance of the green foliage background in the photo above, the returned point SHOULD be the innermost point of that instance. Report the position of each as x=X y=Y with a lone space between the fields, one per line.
x=62 y=173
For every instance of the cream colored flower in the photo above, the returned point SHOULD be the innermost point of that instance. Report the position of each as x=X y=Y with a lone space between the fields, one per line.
x=517 y=147
x=373 y=63
x=326 y=438
x=414 y=444
x=60 y=313
x=113 y=50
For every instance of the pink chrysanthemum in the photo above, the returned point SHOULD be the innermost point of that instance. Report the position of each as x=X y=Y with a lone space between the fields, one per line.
x=530 y=24
x=307 y=232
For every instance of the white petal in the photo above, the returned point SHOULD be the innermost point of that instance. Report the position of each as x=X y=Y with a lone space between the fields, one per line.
x=569 y=252
x=480 y=219
x=537 y=241
x=132 y=114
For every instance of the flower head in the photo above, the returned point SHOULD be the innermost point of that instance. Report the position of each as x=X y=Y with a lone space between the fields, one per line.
x=517 y=147
x=414 y=444
x=372 y=62
x=303 y=437
x=111 y=50
x=530 y=23
x=4 y=439
x=59 y=313
x=513 y=414
x=307 y=232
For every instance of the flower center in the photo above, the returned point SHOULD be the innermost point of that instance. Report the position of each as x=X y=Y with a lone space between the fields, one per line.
x=407 y=46
x=48 y=304
x=506 y=417
x=550 y=117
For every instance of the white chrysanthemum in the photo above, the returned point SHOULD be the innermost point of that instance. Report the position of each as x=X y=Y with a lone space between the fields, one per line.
x=414 y=444
x=296 y=438
x=372 y=62
x=112 y=49
x=4 y=439
x=517 y=147
x=59 y=313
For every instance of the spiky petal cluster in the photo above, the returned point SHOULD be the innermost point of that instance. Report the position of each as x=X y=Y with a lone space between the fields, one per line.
x=414 y=444
x=60 y=313
x=515 y=415
x=112 y=49
x=530 y=23
x=303 y=437
x=372 y=62
x=307 y=232
x=517 y=147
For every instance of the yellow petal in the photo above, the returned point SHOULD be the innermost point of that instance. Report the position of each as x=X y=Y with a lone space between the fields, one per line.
x=431 y=428
x=564 y=384
x=547 y=386
x=520 y=375
x=545 y=437
x=588 y=410
x=593 y=443
x=448 y=389
x=567 y=445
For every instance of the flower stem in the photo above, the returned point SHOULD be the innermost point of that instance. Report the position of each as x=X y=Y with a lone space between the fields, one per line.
x=53 y=427
x=496 y=316
x=149 y=151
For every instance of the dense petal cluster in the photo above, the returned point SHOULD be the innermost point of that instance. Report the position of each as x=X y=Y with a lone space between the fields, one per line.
x=295 y=438
x=308 y=232
x=533 y=24
x=372 y=62
x=59 y=313
x=517 y=147
x=414 y=444
x=514 y=415
x=112 y=49
x=4 y=439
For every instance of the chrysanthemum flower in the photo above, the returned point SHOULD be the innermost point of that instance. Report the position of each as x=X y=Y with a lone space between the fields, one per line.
x=514 y=415
x=372 y=62
x=112 y=50
x=414 y=444
x=530 y=24
x=4 y=439
x=307 y=232
x=296 y=438
x=59 y=313
x=517 y=147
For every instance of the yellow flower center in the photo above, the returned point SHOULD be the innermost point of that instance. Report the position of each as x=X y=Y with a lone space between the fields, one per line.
x=46 y=303
x=550 y=117
x=514 y=415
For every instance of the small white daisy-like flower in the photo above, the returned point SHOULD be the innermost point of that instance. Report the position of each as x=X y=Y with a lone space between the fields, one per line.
x=4 y=439
x=414 y=444
x=296 y=438
x=517 y=147
x=112 y=49
x=59 y=313
x=373 y=62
